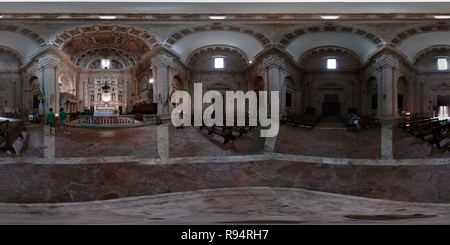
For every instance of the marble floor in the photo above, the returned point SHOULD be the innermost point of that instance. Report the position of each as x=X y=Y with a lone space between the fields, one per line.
x=157 y=174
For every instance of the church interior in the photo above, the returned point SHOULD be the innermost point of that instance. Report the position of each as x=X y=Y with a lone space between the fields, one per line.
x=119 y=71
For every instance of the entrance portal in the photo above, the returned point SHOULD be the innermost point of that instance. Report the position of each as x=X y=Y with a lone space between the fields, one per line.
x=331 y=107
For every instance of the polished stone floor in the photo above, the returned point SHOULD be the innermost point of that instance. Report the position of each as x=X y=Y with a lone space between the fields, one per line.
x=136 y=175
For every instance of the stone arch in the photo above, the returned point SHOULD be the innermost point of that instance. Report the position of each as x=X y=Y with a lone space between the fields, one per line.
x=126 y=44
x=91 y=58
x=292 y=35
x=315 y=58
x=10 y=59
x=65 y=84
x=426 y=60
x=237 y=56
x=33 y=36
x=119 y=35
x=258 y=84
x=403 y=35
x=178 y=83
x=178 y=35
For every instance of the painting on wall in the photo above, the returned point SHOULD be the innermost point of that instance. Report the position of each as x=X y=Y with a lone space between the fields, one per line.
x=143 y=83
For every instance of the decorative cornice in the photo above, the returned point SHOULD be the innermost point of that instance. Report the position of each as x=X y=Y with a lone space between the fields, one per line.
x=13 y=54
x=261 y=38
x=442 y=86
x=326 y=28
x=330 y=85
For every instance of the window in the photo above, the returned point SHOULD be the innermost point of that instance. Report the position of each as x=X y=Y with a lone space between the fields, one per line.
x=442 y=64
x=106 y=63
x=218 y=63
x=331 y=63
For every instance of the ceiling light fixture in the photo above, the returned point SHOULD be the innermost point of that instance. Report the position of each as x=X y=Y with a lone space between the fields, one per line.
x=442 y=16
x=107 y=17
x=329 y=17
x=1 y=16
x=217 y=17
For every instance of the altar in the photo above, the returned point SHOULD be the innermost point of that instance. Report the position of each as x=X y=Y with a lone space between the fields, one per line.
x=103 y=114
x=105 y=108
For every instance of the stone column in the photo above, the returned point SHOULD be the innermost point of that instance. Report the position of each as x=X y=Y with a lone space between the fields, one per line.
x=283 y=99
x=161 y=83
x=50 y=89
x=41 y=90
x=57 y=102
x=387 y=92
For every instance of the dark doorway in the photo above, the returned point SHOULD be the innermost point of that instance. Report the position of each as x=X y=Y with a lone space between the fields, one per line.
x=400 y=102
x=331 y=107
x=35 y=102
x=120 y=110
x=92 y=110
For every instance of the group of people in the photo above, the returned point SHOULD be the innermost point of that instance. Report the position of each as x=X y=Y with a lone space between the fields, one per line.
x=57 y=120
x=353 y=119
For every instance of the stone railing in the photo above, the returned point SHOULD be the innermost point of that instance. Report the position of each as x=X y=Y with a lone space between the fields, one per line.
x=122 y=120
x=151 y=119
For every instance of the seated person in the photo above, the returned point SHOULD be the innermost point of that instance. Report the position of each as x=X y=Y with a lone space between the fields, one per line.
x=35 y=116
x=353 y=119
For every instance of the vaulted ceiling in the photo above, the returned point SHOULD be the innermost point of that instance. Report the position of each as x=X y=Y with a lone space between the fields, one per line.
x=249 y=28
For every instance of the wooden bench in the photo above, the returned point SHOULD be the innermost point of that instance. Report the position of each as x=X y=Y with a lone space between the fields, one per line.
x=410 y=125
x=440 y=133
x=226 y=134
x=11 y=135
x=366 y=122
x=304 y=120
x=412 y=129
x=425 y=129
x=3 y=127
x=240 y=129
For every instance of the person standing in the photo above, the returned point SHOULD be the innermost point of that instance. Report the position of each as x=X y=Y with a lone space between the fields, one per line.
x=62 y=120
x=51 y=121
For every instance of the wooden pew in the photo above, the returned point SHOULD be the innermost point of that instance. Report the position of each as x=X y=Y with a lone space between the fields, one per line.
x=305 y=120
x=3 y=127
x=410 y=125
x=240 y=129
x=11 y=135
x=440 y=133
x=425 y=129
x=413 y=125
x=366 y=122
x=226 y=134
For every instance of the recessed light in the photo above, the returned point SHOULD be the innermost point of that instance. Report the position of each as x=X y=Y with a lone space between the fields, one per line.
x=1 y=16
x=107 y=17
x=217 y=17
x=329 y=17
x=442 y=16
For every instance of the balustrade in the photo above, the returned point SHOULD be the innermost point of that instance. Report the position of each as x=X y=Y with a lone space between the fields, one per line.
x=122 y=120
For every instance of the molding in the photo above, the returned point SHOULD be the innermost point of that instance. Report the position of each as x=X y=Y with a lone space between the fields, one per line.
x=442 y=86
x=218 y=85
x=330 y=85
